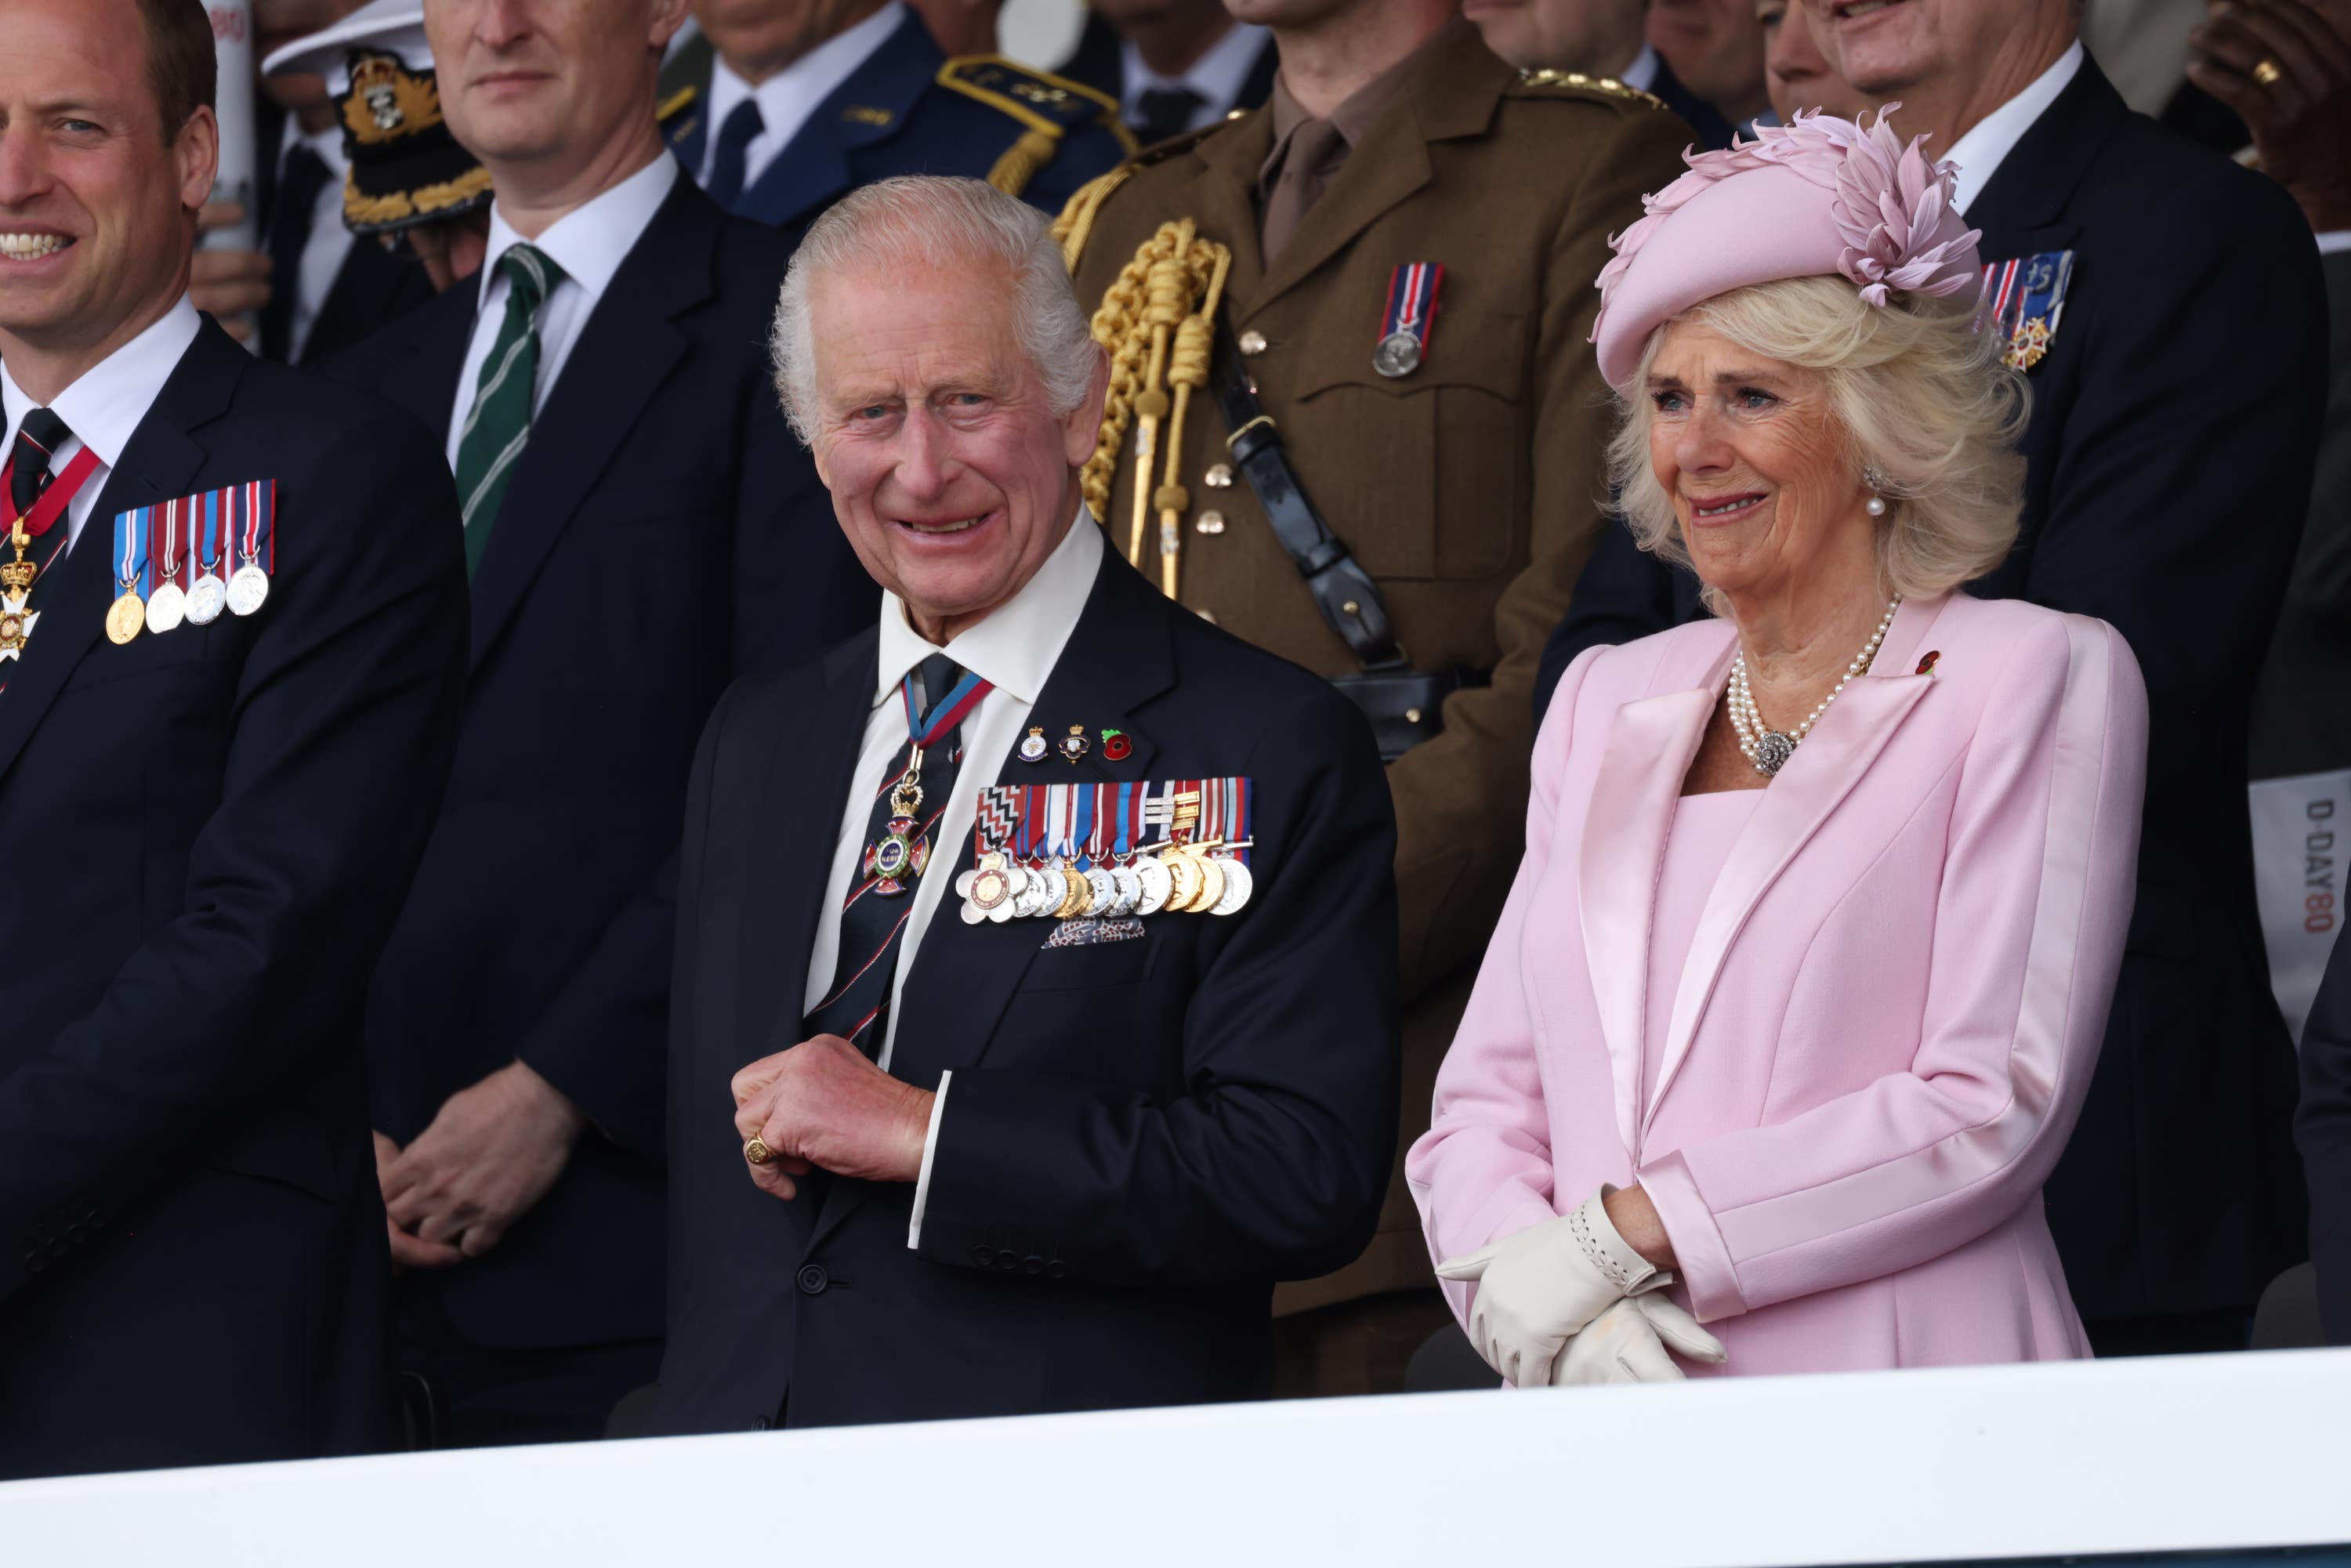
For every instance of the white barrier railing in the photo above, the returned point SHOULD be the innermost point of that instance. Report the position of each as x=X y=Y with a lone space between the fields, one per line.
x=2161 y=1455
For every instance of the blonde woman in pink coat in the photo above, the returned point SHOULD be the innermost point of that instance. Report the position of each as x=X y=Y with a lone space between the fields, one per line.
x=1799 y=985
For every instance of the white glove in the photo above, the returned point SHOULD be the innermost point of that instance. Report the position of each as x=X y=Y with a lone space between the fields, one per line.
x=1627 y=1343
x=1539 y=1286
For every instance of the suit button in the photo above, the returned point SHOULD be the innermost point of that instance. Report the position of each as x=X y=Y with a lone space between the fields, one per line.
x=983 y=1255
x=1007 y=1259
x=1252 y=343
x=761 y=1423
x=35 y=1262
x=1032 y=1264
x=1055 y=1269
x=812 y=1279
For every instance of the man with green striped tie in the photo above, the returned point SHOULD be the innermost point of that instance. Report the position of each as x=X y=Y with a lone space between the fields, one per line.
x=635 y=537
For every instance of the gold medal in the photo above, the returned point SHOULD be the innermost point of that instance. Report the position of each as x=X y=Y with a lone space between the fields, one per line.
x=1081 y=896
x=1184 y=875
x=127 y=618
x=1212 y=883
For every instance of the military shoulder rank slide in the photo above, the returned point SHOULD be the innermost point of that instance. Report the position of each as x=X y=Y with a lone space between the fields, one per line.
x=184 y=561
x=1109 y=852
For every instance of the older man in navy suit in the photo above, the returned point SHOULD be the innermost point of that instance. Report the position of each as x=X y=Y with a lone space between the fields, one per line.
x=635 y=543
x=1035 y=1006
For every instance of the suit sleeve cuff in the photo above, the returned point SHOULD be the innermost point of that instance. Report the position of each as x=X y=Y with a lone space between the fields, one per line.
x=930 y=1153
x=1700 y=1256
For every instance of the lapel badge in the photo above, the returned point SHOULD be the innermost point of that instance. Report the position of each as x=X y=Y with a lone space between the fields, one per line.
x=1405 y=324
x=863 y=114
x=1927 y=665
x=1033 y=750
x=1074 y=745
x=1116 y=746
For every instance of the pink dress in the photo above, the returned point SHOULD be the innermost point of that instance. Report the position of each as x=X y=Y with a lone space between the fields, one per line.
x=1837 y=1029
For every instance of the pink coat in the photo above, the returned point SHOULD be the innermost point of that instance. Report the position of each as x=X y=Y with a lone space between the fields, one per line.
x=1889 y=1012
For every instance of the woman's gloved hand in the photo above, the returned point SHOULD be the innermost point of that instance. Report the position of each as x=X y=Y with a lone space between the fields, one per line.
x=1627 y=1343
x=1541 y=1285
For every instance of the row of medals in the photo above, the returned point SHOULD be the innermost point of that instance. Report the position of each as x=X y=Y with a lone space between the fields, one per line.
x=1189 y=879
x=199 y=605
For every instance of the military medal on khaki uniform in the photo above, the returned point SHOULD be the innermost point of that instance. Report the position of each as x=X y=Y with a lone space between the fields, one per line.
x=1410 y=314
x=17 y=617
x=128 y=616
x=167 y=603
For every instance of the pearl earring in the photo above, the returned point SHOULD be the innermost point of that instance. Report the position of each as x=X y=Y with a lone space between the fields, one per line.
x=1875 y=504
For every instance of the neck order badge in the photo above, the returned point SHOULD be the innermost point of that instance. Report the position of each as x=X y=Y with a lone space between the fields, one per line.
x=17 y=575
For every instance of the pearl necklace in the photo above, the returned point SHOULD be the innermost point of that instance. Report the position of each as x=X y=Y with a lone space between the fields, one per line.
x=1768 y=748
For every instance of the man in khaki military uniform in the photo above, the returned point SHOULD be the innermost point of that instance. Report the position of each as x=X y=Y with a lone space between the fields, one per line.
x=1463 y=468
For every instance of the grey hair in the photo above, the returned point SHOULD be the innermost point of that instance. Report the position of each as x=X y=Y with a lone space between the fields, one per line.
x=933 y=221
x=1931 y=418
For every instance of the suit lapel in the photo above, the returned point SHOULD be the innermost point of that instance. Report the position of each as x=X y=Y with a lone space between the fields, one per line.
x=625 y=352
x=1634 y=797
x=872 y=104
x=2035 y=183
x=160 y=464
x=1825 y=769
x=964 y=976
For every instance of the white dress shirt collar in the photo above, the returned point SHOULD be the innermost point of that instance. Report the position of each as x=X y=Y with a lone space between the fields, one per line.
x=591 y=240
x=105 y=405
x=1984 y=147
x=1642 y=73
x=1016 y=647
x=788 y=99
x=1217 y=76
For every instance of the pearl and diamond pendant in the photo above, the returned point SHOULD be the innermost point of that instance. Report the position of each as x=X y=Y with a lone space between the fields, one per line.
x=1769 y=749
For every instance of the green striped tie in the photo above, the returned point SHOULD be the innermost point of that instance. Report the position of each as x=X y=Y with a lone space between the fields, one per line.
x=499 y=425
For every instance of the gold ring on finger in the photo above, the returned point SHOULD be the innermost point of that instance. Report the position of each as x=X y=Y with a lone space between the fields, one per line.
x=2267 y=73
x=757 y=1151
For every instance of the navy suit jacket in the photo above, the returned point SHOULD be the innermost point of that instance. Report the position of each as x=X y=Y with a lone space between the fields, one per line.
x=891 y=116
x=2174 y=422
x=657 y=539
x=1141 y=1135
x=207 y=834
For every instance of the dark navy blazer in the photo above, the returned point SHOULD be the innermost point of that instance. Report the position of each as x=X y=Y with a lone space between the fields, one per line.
x=1141 y=1135
x=662 y=534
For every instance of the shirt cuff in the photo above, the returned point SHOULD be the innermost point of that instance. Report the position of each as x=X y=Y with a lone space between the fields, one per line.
x=930 y=1153
x=2334 y=240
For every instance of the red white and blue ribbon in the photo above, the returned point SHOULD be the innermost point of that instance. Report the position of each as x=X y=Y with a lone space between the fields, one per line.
x=924 y=729
x=1412 y=302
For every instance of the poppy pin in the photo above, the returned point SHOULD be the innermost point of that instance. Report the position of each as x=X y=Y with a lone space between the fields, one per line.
x=1116 y=746
x=1927 y=665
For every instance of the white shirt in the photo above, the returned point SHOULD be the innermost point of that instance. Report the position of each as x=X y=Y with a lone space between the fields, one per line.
x=1014 y=650
x=790 y=96
x=588 y=243
x=1218 y=76
x=105 y=405
x=330 y=243
x=1983 y=148
x=1642 y=73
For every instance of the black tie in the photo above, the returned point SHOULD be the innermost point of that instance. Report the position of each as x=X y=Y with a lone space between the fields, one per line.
x=743 y=125
x=873 y=920
x=30 y=470
x=290 y=214
x=1166 y=112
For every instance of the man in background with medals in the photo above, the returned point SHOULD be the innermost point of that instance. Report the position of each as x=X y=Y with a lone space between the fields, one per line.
x=1354 y=419
x=232 y=651
x=1007 y=1066
x=623 y=478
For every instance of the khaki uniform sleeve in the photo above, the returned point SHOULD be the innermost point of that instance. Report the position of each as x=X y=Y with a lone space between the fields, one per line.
x=1460 y=799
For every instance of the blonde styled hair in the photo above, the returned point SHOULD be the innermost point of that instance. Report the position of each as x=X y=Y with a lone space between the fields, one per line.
x=1924 y=403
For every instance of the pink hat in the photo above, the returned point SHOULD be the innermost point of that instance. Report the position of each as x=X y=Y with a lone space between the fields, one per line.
x=1821 y=196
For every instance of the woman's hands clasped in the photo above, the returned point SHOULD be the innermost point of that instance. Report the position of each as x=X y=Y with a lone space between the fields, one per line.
x=1568 y=1301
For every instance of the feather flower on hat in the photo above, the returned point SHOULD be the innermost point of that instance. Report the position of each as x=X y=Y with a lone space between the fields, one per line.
x=1890 y=203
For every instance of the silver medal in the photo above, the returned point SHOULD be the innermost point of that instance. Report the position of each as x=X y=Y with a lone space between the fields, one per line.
x=1130 y=889
x=247 y=588
x=1105 y=888
x=167 y=609
x=1016 y=881
x=206 y=599
x=1157 y=885
x=1238 y=885
x=1398 y=355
